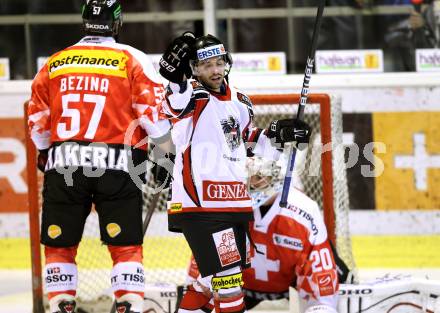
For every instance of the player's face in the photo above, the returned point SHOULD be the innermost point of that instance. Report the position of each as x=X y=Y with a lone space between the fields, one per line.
x=211 y=72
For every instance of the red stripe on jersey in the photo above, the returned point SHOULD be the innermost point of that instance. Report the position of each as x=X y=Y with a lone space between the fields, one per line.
x=212 y=209
x=200 y=106
x=255 y=134
x=188 y=181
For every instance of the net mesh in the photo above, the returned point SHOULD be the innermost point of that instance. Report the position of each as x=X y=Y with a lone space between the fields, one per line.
x=166 y=255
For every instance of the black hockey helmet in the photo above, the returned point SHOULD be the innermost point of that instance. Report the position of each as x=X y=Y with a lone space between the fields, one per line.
x=102 y=17
x=209 y=46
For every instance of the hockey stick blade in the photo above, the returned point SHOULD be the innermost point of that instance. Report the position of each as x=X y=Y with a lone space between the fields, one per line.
x=303 y=99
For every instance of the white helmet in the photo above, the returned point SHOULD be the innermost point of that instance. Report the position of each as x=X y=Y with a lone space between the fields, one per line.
x=265 y=178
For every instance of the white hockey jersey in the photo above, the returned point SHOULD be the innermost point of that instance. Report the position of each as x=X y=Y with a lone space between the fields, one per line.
x=213 y=136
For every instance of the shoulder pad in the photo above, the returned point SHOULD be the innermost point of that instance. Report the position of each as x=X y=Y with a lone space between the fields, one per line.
x=199 y=91
x=195 y=84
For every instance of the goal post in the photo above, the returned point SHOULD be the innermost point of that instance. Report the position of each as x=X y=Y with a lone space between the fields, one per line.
x=34 y=218
x=321 y=174
x=326 y=138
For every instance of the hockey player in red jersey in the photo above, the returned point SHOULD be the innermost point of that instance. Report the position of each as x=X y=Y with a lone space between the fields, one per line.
x=214 y=134
x=293 y=250
x=83 y=101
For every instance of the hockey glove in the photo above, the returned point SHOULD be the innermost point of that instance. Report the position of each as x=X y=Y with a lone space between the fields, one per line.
x=162 y=171
x=289 y=130
x=174 y=64
x=42 y=159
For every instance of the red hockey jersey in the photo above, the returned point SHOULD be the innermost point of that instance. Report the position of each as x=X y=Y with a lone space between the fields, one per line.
x=295 y=251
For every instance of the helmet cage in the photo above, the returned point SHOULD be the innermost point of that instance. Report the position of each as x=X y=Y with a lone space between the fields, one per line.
x=264 y=179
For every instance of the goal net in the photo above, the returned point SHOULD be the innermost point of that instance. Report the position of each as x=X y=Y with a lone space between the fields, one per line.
x=320 y=172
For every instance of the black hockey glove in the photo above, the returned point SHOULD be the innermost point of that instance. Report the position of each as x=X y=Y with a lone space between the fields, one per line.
x=162 y=171
x=289 y=130
x=42 y=159
x=174 y=63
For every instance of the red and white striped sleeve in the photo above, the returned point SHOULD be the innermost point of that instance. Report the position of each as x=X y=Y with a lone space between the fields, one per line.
x=39 y=111
x=147 y=96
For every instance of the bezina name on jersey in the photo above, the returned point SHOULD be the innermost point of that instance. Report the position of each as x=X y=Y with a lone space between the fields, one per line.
x=213 y=134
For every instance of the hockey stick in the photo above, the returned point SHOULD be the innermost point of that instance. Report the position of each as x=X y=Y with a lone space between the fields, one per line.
x=146 y=222
x=303 y=99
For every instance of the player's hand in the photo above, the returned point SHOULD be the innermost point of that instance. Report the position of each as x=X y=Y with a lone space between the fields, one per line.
x=289 y=130
x=416 y=20
x=42 y=159
x=162 y=171
x=174 y=64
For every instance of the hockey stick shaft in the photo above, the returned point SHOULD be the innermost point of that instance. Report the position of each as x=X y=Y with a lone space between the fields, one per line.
x=303 y=99
x=148 y=215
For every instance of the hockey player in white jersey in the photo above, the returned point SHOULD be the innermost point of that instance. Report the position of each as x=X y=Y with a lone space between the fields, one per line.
x=293 y=250
x=214 y=134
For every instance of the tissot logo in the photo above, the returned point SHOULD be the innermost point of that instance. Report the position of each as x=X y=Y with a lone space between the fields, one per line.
x=55 y=278
x=224 y=191
x=307 y=216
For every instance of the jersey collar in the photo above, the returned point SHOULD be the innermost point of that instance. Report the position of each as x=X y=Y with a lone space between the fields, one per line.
x=261 y=224
x=224 y=94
